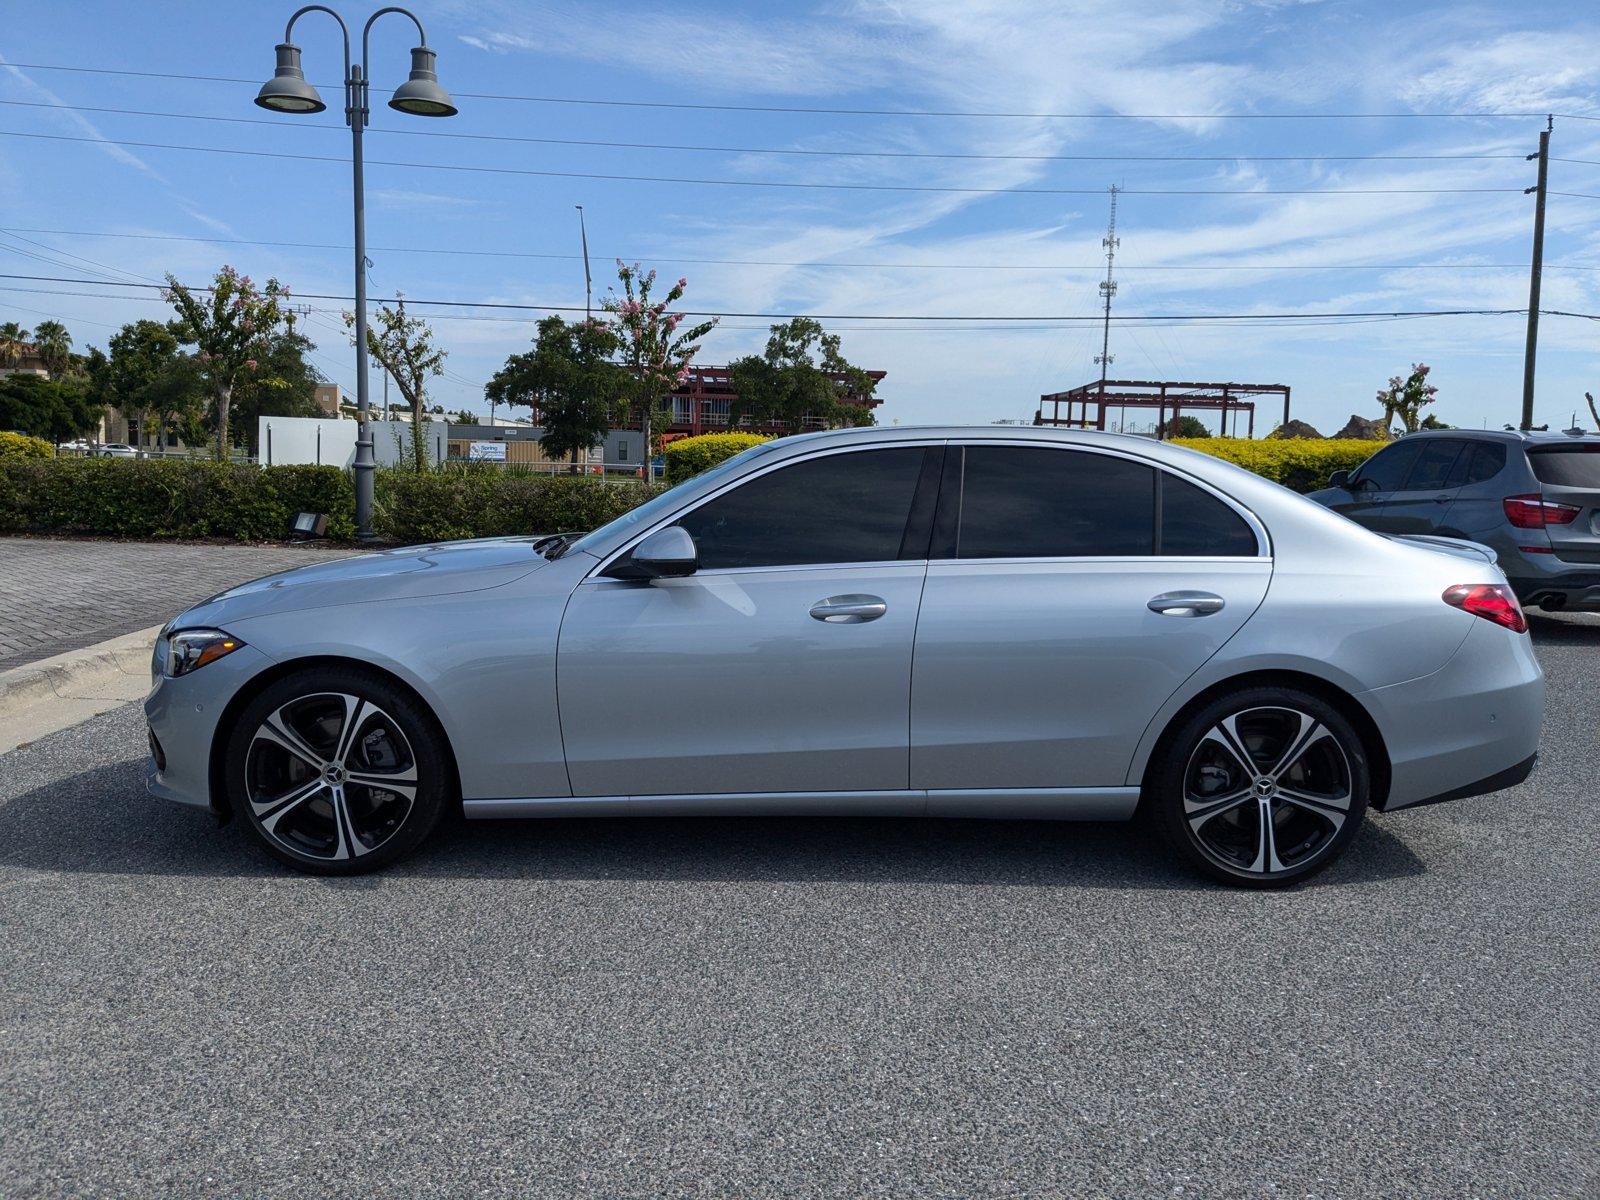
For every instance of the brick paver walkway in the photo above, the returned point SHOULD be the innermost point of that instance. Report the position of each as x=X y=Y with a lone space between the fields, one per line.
x=61 y=595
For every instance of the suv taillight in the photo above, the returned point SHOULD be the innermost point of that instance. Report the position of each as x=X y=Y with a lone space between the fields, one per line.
x=1492 y=601
x=1535 y=512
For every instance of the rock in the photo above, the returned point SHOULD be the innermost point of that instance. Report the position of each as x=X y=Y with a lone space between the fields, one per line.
x=1363 y=429
x=1295 y=429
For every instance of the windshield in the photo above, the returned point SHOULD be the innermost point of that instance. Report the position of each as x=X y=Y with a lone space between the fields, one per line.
x=1568 y=466
x=650 y=510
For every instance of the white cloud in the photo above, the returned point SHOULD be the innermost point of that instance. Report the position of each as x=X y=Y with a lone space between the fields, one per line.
x=1556 y=71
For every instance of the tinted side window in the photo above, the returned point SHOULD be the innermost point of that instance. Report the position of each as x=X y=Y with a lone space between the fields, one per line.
x=841 y=508
x=1196 y=523
x=1386 y=470
x=1481 y=461
x=1432 y=465
x=1021 y=502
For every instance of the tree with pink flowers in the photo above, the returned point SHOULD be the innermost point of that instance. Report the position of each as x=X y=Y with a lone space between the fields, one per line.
x=1406 y=398
x=653 y=347
x=230 y=332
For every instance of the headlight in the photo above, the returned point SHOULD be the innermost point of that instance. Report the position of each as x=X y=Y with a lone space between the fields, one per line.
x=190 y=649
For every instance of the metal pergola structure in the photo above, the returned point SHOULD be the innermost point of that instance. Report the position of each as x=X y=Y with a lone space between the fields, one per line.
x=1169 y=397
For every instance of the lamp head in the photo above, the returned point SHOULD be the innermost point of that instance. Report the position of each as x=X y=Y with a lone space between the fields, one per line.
x=421 y=95
x=287 y=91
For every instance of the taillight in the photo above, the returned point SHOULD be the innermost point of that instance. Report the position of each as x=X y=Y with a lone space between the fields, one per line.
x=1535 y=512
x=1492 y=601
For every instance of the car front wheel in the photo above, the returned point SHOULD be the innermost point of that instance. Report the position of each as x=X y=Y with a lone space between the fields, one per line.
x=336 y=771
x=1263 y=787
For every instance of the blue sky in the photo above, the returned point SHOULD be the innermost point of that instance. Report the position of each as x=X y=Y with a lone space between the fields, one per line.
x=1003 y=252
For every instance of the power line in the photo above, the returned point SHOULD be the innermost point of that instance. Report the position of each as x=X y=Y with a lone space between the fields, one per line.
x=765 y=262
x=777 y=150
x=931 y=317
x=861 y=112
x=773 y=183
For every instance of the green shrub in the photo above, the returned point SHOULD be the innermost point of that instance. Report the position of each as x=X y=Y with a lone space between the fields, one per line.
x=155 y=498
x=20 y=445
x=688 y=457
x=488 y=501
x=1302 y=464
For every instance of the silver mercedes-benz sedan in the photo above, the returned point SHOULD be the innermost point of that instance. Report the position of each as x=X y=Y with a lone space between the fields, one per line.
x=990 y=622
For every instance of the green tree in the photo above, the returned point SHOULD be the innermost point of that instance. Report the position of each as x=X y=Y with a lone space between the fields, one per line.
x=403 y=346
x=53 y=344
x=53 y=409
x=1405 y=398
x=569 y=381
x=1187 y=427
x=283 y=384
x=466 y=418
x=141 y=354
x=650 y=347
x=13 y=343
x=229 y=332
x=801 y=375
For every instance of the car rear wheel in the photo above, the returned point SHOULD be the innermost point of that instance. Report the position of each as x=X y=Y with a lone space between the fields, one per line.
x=1263 y=787
x=336 y=771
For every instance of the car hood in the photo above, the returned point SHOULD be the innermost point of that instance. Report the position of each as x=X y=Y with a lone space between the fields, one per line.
x=438 y=569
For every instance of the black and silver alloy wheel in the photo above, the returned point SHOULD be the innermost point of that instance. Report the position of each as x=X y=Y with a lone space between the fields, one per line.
x=1264 y=788
x=335 y=772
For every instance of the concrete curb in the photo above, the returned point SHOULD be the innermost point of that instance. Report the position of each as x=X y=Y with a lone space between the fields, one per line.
x=56 y=693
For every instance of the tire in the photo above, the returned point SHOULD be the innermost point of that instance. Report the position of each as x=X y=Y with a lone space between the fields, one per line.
x=328 y=799
x=1276 y=752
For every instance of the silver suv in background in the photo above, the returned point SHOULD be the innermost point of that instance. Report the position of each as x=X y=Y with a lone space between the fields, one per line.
x=1534 y=499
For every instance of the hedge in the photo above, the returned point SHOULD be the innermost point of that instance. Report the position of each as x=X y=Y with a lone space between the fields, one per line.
x=488 y=501
x=138 y=498
x=20 y=445
x=1302 y=464
x=688 y=457
x=155 y=498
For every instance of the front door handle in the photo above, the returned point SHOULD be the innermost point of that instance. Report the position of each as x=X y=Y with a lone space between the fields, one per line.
x=849 y=610
x=1186 y=604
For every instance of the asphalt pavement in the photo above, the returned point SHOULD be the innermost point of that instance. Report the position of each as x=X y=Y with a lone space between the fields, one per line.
x=799 y=1007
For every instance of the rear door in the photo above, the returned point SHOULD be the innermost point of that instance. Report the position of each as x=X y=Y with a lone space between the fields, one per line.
x=1375 y=481
x=1569 y=475
x=1420 y=503
x=1040 y=658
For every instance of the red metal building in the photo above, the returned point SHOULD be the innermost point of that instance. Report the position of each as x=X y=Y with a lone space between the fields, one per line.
x=702 y=404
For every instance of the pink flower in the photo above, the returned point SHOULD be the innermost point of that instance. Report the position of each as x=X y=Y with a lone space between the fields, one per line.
x=251 y=363
x=683 y=282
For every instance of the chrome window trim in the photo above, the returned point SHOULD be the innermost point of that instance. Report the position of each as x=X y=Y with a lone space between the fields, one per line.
x=1263 y=538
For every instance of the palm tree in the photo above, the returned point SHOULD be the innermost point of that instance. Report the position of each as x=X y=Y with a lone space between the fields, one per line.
x=53 y=344
x=13 y=341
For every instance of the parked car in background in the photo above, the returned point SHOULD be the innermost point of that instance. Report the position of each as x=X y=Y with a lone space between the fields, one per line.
x=989 y=622
x=1534 y=499
x=118 y=450
x=76 y=446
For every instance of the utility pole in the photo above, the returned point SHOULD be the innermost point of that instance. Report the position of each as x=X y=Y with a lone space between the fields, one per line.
x=1531 y=355
x=1108 y=289
x=588 y=283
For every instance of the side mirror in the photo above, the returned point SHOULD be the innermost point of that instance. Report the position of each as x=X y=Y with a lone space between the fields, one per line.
x=1340 y=479
x=666 y=554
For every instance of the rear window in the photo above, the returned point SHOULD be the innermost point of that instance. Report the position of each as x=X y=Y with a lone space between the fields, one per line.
x=1567 y=466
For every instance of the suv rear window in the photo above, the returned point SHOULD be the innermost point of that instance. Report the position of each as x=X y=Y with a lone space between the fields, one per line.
x=1567 y=466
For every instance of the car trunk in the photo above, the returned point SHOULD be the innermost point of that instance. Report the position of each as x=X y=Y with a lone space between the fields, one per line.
x=1570 y=475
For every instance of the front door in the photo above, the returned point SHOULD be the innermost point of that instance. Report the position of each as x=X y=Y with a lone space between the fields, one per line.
x=1420 y=503
x=1375 y=481
x=1069 y=594
x=783 y=665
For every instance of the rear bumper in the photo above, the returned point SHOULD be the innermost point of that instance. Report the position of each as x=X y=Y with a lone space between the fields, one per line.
x=1566 y=590
x=1497 y=782
x=1473 y=722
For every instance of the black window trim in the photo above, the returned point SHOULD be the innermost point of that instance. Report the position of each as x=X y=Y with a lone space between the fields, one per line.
x=621 y=552
x=948 y=518
x=1462 y=447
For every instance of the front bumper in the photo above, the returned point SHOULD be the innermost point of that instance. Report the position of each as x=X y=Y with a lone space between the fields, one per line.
x=1471 y=723
x=183 y=715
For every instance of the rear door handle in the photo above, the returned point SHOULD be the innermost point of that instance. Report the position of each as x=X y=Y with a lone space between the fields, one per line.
x=849 y=610
x=1186 y=604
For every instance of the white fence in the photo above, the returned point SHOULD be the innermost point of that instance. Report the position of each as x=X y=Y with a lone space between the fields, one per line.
x=284 y=441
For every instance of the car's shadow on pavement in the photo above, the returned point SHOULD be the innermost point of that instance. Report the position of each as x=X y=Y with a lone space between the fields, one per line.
x=1571 y=629
x=103 y=822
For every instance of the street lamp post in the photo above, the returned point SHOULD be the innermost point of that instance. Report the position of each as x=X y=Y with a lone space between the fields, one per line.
x=289 y=92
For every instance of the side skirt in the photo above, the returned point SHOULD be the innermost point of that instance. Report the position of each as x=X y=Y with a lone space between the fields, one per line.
x=1049 y=804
